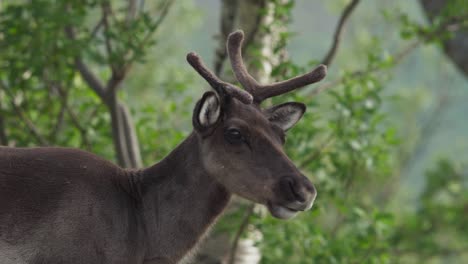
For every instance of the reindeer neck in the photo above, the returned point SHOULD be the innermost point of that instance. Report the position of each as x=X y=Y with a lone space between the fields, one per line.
x=180 y=202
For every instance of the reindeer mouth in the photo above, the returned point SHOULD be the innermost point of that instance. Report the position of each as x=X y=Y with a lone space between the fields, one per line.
x=281 y=212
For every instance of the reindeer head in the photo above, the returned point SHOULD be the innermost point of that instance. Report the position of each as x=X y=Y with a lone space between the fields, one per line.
x=242 y=144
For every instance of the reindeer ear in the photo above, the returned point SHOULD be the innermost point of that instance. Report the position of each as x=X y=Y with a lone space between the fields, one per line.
x=285 y=115
x=207 y=112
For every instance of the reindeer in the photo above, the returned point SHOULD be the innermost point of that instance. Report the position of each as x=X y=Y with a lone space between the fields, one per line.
x=62 y=205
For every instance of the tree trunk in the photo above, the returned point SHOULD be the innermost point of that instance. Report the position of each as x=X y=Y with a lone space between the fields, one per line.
x=126 y=143
x=455 y=48
x=131 y=138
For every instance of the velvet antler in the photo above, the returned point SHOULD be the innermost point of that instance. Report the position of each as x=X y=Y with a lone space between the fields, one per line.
x=262 y=92
x=222 y=88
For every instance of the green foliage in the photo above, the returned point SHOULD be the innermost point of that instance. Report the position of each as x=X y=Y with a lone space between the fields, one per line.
x=453 y=14
x=38 y=78
x=351 y=152
x=436 y=231
x=345 y=142
x=39 y=81
x=351 y=145
x=158 y=128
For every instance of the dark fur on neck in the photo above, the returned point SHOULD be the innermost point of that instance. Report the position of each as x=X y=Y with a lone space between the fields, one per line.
x=180 y=202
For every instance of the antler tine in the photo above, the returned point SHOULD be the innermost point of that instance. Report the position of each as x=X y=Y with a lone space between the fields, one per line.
x=262 y=92
x=218 y=85
x=234 y=47
x=286 y=86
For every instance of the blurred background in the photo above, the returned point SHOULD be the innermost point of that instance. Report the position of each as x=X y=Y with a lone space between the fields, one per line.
x=385 y=137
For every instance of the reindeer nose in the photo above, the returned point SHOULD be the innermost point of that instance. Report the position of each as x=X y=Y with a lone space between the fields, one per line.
x=299 y=191
x=294 y=191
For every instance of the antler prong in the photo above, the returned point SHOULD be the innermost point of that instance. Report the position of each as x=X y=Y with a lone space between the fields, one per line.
x=220 y=87
x=234 y=48
x=271 y=90
x=195 y=61
x=254 y=92
x=262 y=92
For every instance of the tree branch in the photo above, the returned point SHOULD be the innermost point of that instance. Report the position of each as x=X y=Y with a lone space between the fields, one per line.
x=339 y=32
x=117 y=133
x=60 y=117
x=130 y=137
x=96 y=28
x=74 y=118
x=455 y=48
x=29 y=124
x=317 y=153
x=106 y=10
x=119 y=71
x=398 y=57
x=88 y=76
x=114 y=82
x=245 y=221
x=84 y=134
x=55 y=87
x=123 y=133
x=164 y=12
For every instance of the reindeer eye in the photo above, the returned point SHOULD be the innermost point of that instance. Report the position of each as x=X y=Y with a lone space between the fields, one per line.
x=233 y=136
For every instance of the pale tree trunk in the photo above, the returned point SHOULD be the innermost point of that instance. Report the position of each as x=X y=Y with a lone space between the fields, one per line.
x=124 y=135
x=251 y=16
x=259 y=39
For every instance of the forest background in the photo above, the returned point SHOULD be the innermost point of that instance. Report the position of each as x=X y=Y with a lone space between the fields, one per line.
x=384 y=140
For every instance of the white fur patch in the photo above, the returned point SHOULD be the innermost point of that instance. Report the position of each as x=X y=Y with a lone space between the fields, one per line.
x=209 y=112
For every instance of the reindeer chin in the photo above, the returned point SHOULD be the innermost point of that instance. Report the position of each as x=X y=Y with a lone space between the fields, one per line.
x=281 y=212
